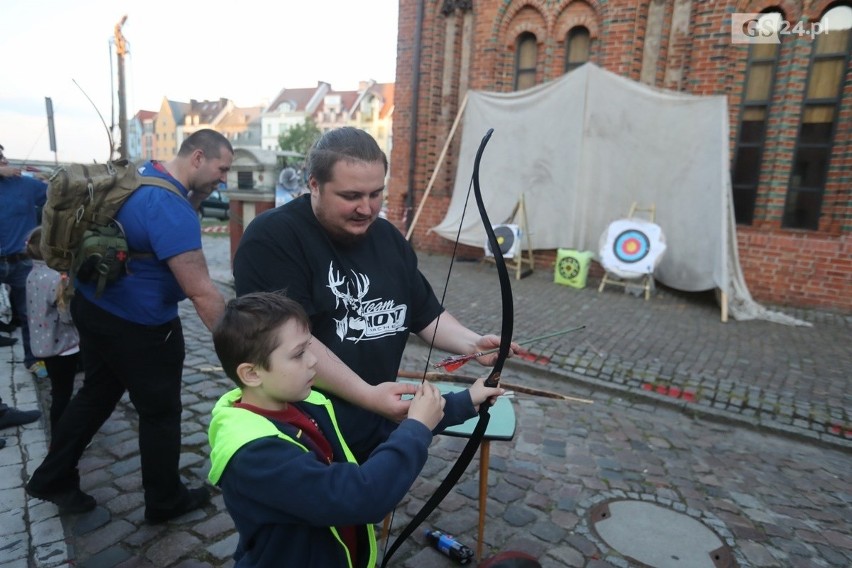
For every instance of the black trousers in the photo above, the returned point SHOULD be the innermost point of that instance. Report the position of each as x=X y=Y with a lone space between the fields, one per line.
x=61 y=370
x=119 y=356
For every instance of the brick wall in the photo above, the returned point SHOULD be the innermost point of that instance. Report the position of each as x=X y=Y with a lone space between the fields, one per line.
x=693 y=53
x=799 y=268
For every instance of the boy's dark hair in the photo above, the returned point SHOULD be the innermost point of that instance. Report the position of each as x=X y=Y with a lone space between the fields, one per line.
x=247 y=332
x=345 y=143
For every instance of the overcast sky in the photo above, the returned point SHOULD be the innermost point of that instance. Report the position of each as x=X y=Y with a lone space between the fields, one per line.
x=246 y=51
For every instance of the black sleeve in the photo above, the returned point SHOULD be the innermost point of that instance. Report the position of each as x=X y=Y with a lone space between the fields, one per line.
x=263 y=263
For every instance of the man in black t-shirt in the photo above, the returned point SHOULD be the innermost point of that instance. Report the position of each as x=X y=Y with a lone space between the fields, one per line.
x=357 y=278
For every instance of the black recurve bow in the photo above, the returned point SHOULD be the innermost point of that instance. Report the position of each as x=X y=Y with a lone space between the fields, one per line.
x=493 y=379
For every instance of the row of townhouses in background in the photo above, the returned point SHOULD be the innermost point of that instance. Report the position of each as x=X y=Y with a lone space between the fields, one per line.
x=254 y=131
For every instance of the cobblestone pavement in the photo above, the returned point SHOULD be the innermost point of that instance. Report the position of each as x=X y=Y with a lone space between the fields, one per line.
x=742 y=426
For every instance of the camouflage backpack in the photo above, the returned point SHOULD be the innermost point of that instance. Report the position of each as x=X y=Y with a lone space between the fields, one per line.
x=80 y=234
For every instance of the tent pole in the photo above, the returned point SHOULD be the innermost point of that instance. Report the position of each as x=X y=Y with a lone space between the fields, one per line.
x=437 y=167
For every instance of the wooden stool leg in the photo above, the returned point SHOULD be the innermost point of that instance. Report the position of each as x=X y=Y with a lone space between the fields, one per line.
x=484 y=454
x=385 y=529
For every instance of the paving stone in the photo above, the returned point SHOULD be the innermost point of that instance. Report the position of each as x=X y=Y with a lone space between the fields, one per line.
x=85 y=523
x=518 y=516
x=14 y=545
x=171 y=547
x=225 y=547
x=758 y=555
x=505 y=493
x=215 y=526
x=11 y=521
x=548 y=531
x=47 y=531
x=105 y=536
x=113 y=556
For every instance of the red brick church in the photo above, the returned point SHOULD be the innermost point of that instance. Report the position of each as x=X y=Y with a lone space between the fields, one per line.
x=790 y=111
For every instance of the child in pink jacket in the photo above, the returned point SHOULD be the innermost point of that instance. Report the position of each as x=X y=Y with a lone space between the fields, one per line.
x=53 y=336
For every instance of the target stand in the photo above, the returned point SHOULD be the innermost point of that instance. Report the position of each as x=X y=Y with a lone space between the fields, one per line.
x=630 y=249
x=513 y=237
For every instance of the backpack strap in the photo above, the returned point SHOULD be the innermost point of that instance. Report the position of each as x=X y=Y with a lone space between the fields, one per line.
x=164 y=184
x=160 y=182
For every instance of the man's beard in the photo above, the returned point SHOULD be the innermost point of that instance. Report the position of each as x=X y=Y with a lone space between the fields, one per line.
x=345 y=238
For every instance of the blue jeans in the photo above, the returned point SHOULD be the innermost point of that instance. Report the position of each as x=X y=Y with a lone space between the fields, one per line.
x=15 y=275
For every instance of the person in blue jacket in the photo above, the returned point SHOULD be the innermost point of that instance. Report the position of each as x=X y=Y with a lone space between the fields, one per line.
x=291 y=484
x=21 y=197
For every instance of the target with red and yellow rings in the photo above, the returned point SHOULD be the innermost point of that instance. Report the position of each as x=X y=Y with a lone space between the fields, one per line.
x=631 y=248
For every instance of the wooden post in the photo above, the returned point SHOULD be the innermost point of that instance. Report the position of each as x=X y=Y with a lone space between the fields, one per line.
x=385 y=529
x=484 y=455
x=437 y=168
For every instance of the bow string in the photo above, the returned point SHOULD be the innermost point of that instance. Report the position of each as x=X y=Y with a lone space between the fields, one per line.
x=493 y=379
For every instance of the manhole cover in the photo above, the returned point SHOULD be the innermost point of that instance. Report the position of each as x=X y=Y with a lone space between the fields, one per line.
x=656 y=536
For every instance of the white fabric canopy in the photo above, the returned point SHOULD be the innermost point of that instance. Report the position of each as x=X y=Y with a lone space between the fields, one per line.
x=583 y=148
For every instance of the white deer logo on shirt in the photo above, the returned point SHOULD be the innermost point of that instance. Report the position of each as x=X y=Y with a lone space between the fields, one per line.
x=363 y=319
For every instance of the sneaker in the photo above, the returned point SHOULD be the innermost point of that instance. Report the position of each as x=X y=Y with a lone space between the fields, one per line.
x=195 y=499
x=15 y=417
x=69 y=502
x=39 y=370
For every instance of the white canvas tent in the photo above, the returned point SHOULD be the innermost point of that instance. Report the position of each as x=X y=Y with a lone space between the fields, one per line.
x=583 y=148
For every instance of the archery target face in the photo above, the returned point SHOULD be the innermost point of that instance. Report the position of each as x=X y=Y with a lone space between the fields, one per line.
x=569 y=268
x=505 y=238
x=572 y=267
x=508 y=238
x=631 y=248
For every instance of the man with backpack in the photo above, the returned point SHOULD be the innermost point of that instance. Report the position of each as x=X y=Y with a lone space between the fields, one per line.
x=20 y=197
x=131 y=336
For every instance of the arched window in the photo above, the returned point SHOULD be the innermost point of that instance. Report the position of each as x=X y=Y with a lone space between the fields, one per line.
x=526 y=54
x=826 y=76
x=576 y=47
x=754 y=113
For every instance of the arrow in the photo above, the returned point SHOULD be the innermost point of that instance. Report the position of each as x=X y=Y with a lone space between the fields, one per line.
x=450 y=364
x=508 y=386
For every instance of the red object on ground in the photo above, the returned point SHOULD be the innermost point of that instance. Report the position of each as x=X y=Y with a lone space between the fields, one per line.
x=668 y=390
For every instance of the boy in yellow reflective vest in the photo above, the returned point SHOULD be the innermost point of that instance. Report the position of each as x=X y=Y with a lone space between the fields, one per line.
x=296 y=493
